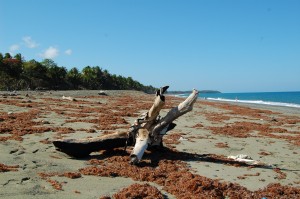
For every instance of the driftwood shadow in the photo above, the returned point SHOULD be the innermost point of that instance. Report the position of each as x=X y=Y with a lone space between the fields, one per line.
x=152 y=157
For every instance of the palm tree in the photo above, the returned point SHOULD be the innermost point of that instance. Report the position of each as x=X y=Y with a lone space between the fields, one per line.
x=74 y=78
x=35 y=74
x=56 y=75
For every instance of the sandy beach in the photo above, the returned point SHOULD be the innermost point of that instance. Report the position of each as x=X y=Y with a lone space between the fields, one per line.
x=195 y=162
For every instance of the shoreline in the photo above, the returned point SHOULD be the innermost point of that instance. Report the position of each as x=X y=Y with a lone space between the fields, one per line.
x=249 y=102
x=288 y=109
x=212 y=130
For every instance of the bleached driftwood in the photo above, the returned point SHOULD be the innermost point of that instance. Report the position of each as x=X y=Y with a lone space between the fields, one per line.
x=174 y=113
x=150 y=129
x=140 y=146
x=147 y=130
x=244 y=158
x=102 y=93
x=68 y=98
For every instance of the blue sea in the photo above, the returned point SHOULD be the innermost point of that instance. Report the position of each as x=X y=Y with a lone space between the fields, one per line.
x=287 y=99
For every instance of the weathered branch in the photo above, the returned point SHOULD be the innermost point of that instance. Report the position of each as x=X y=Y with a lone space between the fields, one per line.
x=154 y=130
x=174 y=113
x=152 y=114
x=83 y=147
x=140 y=146
x=142 y=131
x=147 y=130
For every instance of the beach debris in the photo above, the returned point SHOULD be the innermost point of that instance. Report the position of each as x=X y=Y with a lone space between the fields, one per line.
x=102 y=93
x=6 y=168
x=182 y=139
x=68 y=98
x=244 y=158
x=56 y=184
x=274 y=119
x=176 y=177
x=150 y=128
x=79 y=148
x=45 y=122
x=139 y=191
x=147 y=130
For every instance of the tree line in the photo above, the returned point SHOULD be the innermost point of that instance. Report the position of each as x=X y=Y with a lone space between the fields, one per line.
x=18 y=74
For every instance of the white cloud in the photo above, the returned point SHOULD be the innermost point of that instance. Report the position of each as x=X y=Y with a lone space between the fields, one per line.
x=14 y=47
x=50 y=53
x=29 y=42
x=68 y=52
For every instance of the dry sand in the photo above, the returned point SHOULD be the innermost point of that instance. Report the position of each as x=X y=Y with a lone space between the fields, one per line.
x=195 y=163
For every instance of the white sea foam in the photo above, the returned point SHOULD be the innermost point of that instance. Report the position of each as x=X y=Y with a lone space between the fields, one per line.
x=256 y=102
x=180 y=95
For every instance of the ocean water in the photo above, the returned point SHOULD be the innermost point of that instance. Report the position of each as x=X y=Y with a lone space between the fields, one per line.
x=287 y=99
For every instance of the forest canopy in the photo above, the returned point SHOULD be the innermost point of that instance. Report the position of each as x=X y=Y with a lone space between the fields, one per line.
x=18 y=74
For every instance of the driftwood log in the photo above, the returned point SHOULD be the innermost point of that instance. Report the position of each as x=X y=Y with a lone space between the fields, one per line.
x=80 y=148
x=150 y=129
x=147 y=130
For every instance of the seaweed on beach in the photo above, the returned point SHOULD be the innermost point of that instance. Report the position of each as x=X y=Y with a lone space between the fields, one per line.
x=245 y=129
x=169 y=170
x=216 y=117
x=173 y=138
x=237 y=129
x=6 y=168
x=264 y=122
x=281 y=175
x=17 y=125
x=234 y=110
x=56 y=184
x=139 y=191
x=221 y=145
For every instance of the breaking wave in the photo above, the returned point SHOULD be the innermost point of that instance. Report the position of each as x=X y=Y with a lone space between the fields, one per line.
x=256 y=102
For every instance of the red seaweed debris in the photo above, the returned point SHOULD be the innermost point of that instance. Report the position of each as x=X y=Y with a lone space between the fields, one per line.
x=175 y=177
x=6 y=168
x=136 y=191
x=56 y=184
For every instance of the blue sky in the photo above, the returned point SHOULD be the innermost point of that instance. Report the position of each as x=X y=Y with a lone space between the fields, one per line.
x=225 y=45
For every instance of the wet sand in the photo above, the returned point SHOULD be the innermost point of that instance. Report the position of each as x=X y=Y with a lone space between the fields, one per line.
x=193 y=164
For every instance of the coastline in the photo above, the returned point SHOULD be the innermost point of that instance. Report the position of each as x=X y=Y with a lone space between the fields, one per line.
x=290 y=110
x=277 y=99
x=213 y=130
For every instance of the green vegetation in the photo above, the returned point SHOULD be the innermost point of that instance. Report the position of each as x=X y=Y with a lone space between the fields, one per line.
x=18 y=74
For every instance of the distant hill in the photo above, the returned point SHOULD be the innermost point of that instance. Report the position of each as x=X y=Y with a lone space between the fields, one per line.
x=187 y=92
x=209 y=91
